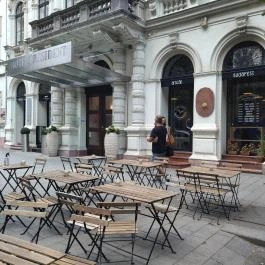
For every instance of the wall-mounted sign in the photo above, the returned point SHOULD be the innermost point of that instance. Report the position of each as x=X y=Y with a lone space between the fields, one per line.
x=167 y=82
x=205 y=102
x=48 y=57
x=244 y=73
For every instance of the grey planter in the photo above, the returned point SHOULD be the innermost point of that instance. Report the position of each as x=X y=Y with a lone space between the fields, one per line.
x=25 y=142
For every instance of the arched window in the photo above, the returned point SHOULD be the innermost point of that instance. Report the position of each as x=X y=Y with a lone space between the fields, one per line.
x=179 y=65
x=43 y=8
x=19 y=23
x=243 y=55
x=21 y=91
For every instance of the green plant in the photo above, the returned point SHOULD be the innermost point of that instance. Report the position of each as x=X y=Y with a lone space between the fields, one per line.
x=25 y=130
x=261 y=147
x=112 y=129
x=48 y=130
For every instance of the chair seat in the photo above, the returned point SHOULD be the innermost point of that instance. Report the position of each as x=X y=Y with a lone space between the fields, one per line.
x=50 y=200
x=163 y=208
x=14 y=196
x=121 y=227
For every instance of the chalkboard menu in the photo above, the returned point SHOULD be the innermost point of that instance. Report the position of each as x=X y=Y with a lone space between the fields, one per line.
x=248 y=111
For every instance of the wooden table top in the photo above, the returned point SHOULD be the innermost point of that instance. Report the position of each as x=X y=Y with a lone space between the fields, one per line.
x=15 y=251
x=132 y=191
x=90 y=157
x=15 y=166
x=65 y=177
x=220 y=172
x=139 y=163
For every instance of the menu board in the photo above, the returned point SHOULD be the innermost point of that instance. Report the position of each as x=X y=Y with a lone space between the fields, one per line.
x=248 y=111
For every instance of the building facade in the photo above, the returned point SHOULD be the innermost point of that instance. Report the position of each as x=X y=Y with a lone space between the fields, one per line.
x=83 y=65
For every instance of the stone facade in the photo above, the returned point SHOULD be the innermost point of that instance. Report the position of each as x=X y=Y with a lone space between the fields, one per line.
x=142 y=43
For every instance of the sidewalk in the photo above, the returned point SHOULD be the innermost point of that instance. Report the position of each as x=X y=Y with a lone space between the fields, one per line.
x=239 y=241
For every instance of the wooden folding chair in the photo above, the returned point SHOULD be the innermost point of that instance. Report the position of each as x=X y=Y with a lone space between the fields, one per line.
x=165 y=208
x=30 y=209
x=67 y=163
x=106 y=229
x=213 y=197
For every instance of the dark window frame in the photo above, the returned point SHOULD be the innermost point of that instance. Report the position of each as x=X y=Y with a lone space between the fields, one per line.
x=44 y=4
x=19 y=23
x=66 y=3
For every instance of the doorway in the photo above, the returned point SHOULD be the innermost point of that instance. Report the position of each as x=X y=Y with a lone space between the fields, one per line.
x=99 y=116
x=178 y=77
x=181 y=115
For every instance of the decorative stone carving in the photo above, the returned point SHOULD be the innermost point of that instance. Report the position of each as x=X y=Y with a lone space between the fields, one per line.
x=205 y=102
x=204 y=22
x=173 y=38
x=127 y=32
x=242 y=23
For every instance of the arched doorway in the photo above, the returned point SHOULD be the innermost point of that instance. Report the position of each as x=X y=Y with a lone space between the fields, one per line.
x=21 y=107
x=178 y=77
x=244 y=76
x=99 y=114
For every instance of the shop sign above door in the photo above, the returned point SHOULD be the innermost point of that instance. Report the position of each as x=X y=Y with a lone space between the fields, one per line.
x=52 y=56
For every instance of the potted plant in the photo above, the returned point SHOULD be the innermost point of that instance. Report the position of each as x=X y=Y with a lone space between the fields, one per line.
x=261 y=148
x=245 y=150
x=232 y=148
x=25 y=138
x=52 y=140
x=111 y=141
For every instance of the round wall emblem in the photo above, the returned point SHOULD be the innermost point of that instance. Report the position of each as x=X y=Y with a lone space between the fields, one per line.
x=205 y=102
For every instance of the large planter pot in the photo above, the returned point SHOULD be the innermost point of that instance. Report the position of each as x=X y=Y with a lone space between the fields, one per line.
x=111 y=145
x=52 y=143
x=25 y=142
x=44 y=144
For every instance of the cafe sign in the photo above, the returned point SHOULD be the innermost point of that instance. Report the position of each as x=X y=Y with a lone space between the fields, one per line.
x=52 y=56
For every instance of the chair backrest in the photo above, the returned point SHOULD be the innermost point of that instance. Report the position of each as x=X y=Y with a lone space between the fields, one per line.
x=67 y=163
x=69 y=199
x=83 y=168
x=27 y=189
x=39 y=164
x=186 y=177
x=207 y=180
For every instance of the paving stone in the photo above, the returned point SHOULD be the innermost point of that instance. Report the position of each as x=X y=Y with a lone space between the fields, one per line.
x=240 y=246
x=228 y=257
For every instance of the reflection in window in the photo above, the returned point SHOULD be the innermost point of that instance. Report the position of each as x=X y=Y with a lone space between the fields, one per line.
x=43 y=8
x=93 y=138
x=108 y=104
x=93 y=121
x=93 y=103
x=19 y=23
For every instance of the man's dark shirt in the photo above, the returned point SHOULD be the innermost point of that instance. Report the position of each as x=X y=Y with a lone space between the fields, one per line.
x=161 y=133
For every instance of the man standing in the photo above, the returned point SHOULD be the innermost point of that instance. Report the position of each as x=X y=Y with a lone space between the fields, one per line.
x=158 y=138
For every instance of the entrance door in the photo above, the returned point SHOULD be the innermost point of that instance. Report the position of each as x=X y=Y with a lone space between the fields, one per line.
x=99 y=116
x=181 y=115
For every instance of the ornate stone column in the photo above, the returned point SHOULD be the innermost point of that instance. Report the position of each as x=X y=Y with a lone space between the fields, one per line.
x=138 y=96
x=69 y=130
x=136 y=132
x=119 y=97
x=57 y=106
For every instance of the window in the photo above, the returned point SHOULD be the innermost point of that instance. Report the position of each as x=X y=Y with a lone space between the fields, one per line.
x=43 y=8
x=19 y=23
x=69 y=3
x=244 y=55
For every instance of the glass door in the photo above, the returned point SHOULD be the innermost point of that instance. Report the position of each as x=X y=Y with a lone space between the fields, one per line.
x=99 y=116
x=181 y=115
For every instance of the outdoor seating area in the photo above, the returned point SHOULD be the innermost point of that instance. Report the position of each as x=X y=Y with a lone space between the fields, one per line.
x=95 y=202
